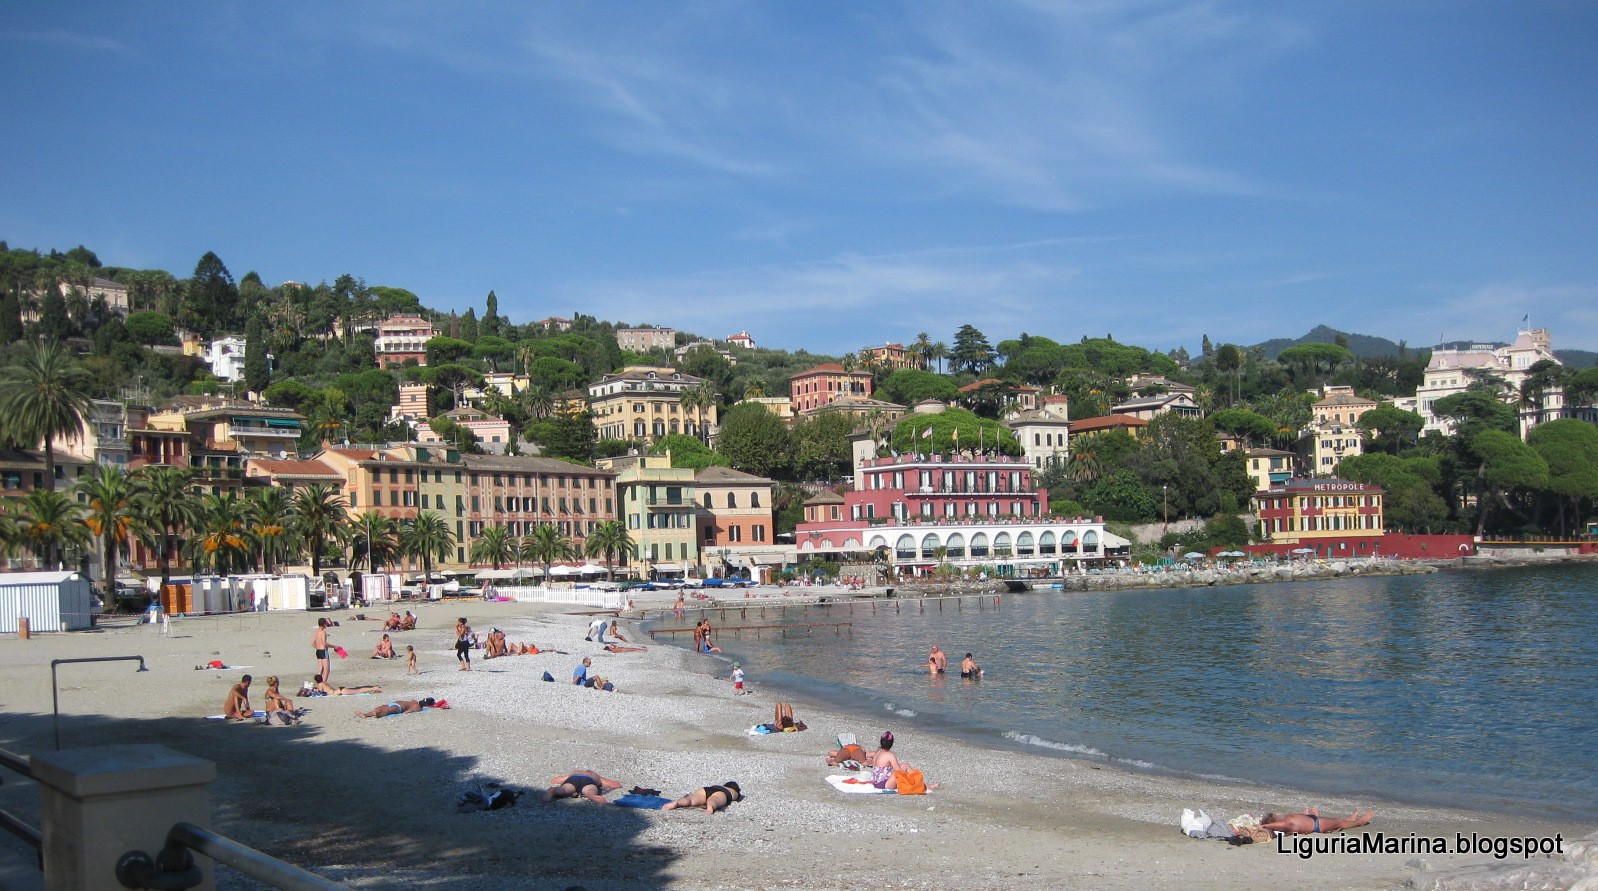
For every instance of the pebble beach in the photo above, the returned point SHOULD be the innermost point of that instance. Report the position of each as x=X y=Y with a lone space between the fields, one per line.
x=371 y=803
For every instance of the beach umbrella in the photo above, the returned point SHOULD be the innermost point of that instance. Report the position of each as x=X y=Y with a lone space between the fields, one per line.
x=1192 y=555
x=589 y=569
x=562 y=570
x=1302 y=551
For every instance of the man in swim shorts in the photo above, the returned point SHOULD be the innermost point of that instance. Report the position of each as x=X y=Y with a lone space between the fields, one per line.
x=937 y=661
x=1312 y=821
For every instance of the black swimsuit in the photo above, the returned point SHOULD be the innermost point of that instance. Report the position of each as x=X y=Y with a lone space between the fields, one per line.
x=712 y=790
x=579 y=782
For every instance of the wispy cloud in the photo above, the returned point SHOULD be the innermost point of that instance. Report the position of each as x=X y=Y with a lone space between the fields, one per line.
x=1493 y=311
x=94 y=43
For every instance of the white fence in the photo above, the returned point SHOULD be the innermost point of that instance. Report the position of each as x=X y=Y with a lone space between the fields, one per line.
x=579 y=596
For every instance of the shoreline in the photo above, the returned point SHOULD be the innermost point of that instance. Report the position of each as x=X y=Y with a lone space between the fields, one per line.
x=370 y=802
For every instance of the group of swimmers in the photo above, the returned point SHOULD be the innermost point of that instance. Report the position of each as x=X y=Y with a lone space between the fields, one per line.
x=938 y=663
x=591 y=785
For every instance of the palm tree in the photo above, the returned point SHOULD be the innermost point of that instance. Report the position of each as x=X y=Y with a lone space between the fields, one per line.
x=540 y=401
x=44 y=393
x=220 y=541
x=923 y=350
x=111 y=516
x=495 y=546
x=320 y=514
x=374 y=539
x=267 y=512
x=940 y=351
x=167 y=509
x=1086 y=465
x=50 y=523
x=427 y=537
x=695 y=400
x=545 y=544
x=609 y=539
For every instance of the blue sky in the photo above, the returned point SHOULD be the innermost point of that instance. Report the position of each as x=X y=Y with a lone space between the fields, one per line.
x=831 y=176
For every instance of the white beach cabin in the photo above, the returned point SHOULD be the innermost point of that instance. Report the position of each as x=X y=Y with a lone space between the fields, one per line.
x=50 y=601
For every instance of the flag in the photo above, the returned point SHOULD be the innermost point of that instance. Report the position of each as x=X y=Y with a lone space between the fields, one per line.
x=956 y=437
x=927 y=433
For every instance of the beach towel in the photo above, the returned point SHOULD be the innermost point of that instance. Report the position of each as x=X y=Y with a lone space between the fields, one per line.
x=215 y=665
x=645 y=802
x=224 y=717
x=855 y=785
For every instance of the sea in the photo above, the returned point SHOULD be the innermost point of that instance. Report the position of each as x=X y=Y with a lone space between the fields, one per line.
x=1473 y=688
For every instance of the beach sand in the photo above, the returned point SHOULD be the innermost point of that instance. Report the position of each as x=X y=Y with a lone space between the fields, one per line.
x=371 y=803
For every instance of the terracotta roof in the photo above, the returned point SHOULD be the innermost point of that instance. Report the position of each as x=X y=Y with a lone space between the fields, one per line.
x=295 y=468
x=727 y=475
x=825 y=496
x=1108 y=422
x=985 y=382
x=823 y=368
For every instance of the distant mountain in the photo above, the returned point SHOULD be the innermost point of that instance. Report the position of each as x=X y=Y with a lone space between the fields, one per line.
x=1577 y=358
x=1365 y=346
x=1361 y=345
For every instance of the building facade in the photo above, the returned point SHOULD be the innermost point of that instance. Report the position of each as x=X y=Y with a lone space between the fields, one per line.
x=1314 y=512
x=820 y=385
x=1451 y=371
x=1333 y=432
x=891 y=356
x=1044 y=433
x=734 y=518
x=225 y=355
x=1270 y=467
x=658 y=503
x=645 y=403
x=642 y=340
x=402 y=339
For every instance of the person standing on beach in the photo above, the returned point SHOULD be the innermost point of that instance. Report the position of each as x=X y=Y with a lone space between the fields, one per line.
x=463 y=644
x=737 y=679
x=324 y=666
x=410 y=660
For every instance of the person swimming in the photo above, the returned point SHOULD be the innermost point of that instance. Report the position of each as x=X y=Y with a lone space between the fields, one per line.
x=969 y=669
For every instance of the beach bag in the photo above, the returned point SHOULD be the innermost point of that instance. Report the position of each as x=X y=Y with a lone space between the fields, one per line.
x=910 y=781
x=549 y=677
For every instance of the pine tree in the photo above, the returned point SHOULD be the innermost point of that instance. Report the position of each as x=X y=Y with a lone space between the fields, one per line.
x=491 y=315
x=1209 y=349
x=257 y=372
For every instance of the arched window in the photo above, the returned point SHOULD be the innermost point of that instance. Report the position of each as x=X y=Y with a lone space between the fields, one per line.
x=979 y=544
x=754 y=499
x=956 y=546
x=707 y=499
x=906 y=548
x=1090 y=542
x=928 y=545
x=1023 y=545
x=1001 y=544
x=732 y=500
x=877 y=541
x=1068 y=542
x=1046 y=543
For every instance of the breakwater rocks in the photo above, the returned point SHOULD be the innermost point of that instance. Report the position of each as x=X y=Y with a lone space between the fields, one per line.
x=1205 y=577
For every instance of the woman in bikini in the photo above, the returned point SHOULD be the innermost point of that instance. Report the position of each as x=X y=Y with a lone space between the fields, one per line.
x=276 y=701
x=463 y=644
x=580 y=784
x=884 y=763
x=1312 y=821
x=400 y=707
x=711 y=798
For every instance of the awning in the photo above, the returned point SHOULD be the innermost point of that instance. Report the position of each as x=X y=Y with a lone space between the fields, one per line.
x=671 y=567
x=738 y=562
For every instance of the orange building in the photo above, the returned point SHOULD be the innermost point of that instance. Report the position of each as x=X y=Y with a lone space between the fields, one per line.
x=824 y=383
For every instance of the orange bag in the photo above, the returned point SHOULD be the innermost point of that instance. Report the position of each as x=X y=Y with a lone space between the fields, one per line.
x=910 y=782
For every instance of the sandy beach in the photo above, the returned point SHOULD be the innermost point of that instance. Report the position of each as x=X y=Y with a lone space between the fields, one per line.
x=371 y=803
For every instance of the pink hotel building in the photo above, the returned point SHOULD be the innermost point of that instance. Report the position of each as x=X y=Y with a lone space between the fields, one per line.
x=824 y=383
x=978 y=509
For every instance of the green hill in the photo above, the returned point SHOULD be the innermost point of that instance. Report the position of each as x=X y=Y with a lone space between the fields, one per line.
x=1362 y=345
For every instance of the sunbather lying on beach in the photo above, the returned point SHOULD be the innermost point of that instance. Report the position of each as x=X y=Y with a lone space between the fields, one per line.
x=1312 y=821
x=580 y=784
x=402 y=706
x=850 y=752
x=615 y=649
x=711 y=798
x=323 y=688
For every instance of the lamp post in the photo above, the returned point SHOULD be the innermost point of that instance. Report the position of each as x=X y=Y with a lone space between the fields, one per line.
x=1165 y=495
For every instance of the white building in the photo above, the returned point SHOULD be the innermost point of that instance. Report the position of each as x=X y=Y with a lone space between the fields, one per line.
x=226 y=358
x=1449 y=372
x=1044 y=433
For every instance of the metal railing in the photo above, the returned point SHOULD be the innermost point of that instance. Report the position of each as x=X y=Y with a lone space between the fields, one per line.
x=174 y=867
x=10 y=822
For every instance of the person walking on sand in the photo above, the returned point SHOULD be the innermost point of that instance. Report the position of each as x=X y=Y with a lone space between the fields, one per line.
x=737 y=680
x=237 y=706
x=324 y=665
x=410 y=660
x=463 y=644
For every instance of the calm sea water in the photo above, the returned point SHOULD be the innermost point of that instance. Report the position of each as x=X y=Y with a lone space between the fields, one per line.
x=1475 y=689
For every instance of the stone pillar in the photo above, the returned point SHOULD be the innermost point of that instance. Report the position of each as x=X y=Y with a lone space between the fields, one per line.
x=97 y=804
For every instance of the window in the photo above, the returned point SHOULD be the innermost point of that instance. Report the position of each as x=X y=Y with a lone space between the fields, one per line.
x=758 y=532
x=377 y=497
x=734 y=533
x=707 y=500
x=754 y=499
x=732 y=500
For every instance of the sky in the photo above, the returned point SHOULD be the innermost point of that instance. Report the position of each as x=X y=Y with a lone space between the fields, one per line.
x=835 y=175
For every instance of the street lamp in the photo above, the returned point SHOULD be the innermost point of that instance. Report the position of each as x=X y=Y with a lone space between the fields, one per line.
x=1165 y=494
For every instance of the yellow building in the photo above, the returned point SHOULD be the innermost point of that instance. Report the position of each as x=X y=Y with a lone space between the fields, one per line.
x=658 y=503
x=645 y=403
x=1333 y=432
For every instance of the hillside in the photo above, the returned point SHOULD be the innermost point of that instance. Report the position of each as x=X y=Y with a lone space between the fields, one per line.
x=1362 y=345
